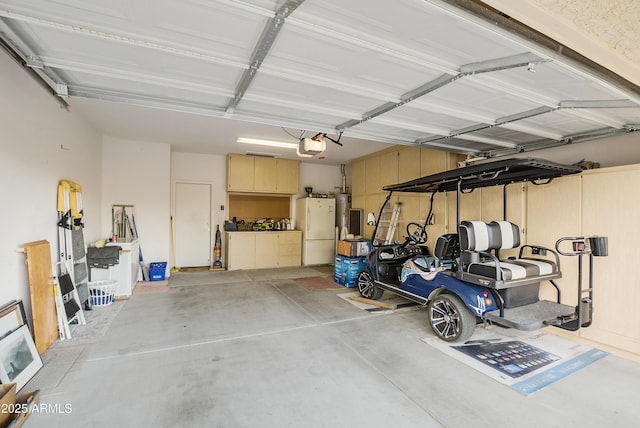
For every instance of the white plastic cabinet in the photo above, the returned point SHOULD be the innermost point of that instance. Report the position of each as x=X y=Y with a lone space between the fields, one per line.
x=125 y=272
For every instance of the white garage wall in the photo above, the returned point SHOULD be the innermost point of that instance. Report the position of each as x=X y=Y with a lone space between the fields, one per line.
x=40 y=145
x=202 y=169
x=323 y=178
x=138 y=173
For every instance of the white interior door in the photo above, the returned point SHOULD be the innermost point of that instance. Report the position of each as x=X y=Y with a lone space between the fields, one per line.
x=193 y=224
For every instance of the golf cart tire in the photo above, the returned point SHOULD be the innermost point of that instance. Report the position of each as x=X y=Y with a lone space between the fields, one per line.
x=450 y=319
x=367 y=287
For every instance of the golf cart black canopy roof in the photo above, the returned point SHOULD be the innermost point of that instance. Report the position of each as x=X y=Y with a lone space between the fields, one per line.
x=500 y=172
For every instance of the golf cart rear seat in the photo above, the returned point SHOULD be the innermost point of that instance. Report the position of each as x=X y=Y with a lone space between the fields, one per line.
x=480 y=266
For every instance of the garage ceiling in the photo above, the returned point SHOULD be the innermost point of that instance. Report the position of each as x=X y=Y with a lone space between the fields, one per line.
x=413 y=72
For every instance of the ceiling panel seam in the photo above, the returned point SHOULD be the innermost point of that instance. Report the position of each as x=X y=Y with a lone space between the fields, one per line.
x=564 y=105
x=572 y=139
x=20 y=45
x=128 y=38
x=311 y=25
x=263 y=46
x=466 y=70
x=131 y=76
x=194 y=108
x=36 y=75
x=500 y=85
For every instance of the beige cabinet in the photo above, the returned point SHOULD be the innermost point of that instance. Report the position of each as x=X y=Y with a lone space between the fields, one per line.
x=265 y=174
x=240 y=173
x=409 y=163
x=357 y=177
x=267 y=245
x=262 y=250
x=290 y=249
x=373 y=175
x=432 y=161
x=241 y=250
x=403 y=163
x=287 y=176
x=388 y=169
x=258 y=174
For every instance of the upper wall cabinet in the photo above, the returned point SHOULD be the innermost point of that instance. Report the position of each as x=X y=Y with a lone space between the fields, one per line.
x=240 y=173
x=258 y=174
x=287 y=176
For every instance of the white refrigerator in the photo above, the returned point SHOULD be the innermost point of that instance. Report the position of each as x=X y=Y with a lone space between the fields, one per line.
x=316 y=217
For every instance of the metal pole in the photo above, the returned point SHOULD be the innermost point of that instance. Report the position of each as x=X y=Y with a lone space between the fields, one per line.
x=458 y=203
x=504 y=202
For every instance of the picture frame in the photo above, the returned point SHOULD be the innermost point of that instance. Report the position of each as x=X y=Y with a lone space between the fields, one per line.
x=19 y=358
x=12 y=317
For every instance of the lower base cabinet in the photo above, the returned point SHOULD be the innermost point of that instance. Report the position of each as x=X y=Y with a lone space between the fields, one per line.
x=262 y=250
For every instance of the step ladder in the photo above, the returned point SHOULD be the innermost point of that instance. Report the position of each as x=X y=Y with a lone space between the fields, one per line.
x=68 y=305
x=73 y=254
x=387 y=224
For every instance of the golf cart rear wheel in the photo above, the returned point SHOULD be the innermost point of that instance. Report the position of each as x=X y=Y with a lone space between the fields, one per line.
x=367 y=288
x=450 y=319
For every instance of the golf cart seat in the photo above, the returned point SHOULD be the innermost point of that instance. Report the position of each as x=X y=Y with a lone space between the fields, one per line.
x=480 y=266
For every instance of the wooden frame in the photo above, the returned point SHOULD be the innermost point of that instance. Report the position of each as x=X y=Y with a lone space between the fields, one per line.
x=12 y=317
x=19 y=358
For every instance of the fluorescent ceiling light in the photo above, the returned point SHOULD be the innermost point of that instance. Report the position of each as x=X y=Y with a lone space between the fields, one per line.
x=258 y=142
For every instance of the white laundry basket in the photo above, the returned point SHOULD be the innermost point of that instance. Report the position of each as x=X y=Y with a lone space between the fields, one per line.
x=102 y=292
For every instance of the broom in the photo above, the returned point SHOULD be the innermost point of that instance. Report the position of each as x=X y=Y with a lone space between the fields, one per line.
x=174 y=269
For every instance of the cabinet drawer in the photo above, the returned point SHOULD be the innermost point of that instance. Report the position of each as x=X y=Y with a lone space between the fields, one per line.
x=290 y=250
x=285 y=261
x=291 y=238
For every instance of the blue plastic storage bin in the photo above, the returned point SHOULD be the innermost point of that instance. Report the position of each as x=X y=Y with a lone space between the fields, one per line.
x=157 y=271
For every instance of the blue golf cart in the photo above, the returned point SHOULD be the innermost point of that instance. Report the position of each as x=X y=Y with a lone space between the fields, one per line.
x=465 y=281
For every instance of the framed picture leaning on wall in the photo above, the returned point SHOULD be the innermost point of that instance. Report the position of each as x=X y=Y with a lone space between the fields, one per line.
x=19 y=359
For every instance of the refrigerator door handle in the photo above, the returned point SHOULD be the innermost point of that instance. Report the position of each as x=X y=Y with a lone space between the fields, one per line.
x=308 y=218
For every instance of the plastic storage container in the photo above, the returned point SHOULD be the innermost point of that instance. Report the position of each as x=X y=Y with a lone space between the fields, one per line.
x=157 y=271
x=102 y=293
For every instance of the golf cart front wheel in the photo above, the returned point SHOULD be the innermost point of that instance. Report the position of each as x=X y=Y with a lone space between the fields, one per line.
x=367 y=288
x=450 y=319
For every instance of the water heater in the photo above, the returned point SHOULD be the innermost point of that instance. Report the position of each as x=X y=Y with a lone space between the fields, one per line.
x=343 y=203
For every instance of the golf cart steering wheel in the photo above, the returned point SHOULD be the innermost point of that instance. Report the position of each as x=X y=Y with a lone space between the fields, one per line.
x=416 y=234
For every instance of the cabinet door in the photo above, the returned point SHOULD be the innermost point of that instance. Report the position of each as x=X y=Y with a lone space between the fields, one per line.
x=288 y=176
x=373 y=175
x=240 y=173
x=357 y=177
x=432 y=161
x=388 y=169
x=265 y=174
x=267 y=250
x=408 y=164
x=241 y=250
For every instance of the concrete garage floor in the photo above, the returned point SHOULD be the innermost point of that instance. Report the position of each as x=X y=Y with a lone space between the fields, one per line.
x=258 y=349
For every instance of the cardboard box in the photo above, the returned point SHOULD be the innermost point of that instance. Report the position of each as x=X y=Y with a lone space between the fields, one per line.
x=347 y=269
x=7 y=399
x=27 y=399
x=354 y=247
x=21 y=405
